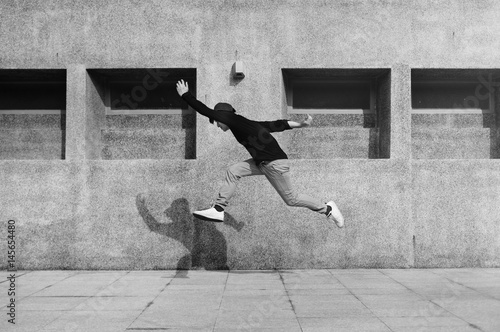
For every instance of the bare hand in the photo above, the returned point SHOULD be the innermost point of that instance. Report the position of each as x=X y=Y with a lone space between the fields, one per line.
x=182 y=87
x=307 y=121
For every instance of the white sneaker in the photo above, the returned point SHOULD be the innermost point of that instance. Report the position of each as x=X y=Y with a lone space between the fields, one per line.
x=210 y=215
x=335 y=214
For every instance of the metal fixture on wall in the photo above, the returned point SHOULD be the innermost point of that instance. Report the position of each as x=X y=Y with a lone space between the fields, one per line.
x=239 y=70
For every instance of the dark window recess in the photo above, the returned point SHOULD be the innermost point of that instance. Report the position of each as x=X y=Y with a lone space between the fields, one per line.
x=448 y=95
x=163 y=97
x=32 y=113
x=25 y=96
x=137 y=114
x=351 y=112
x=331 y=95
x=455 y=113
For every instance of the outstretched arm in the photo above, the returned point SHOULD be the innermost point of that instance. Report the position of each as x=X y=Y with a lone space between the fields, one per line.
x=281 y=125
x=198 y=106
x=305 y=123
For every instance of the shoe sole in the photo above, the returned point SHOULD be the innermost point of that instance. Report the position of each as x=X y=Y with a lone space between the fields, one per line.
x=199 y=216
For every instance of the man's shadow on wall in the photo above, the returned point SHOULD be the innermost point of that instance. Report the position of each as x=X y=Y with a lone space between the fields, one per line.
x=206 y=244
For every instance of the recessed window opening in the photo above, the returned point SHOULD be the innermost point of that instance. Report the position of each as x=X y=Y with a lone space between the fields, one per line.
x=136 y=113
x=351 y=112
x=454 y=113
x=32 y=114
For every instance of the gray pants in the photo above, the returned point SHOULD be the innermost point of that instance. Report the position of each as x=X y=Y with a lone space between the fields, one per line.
x=277 y=172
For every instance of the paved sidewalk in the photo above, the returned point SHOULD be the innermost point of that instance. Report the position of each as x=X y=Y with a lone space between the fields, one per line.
x=285 y=300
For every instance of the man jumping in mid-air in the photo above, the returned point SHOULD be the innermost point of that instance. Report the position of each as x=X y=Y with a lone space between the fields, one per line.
x=267 y=158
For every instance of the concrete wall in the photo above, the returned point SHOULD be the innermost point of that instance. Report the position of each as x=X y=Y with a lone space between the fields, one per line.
x=405 y=203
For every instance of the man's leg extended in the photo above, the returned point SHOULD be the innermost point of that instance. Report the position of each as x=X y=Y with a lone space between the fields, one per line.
x=233 y=174
x=277 y=172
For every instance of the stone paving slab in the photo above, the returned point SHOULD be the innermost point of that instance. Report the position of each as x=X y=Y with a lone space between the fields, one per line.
x=92 y=321
x=366 y=323
x=113 y=303
x=404 y=323
x=288 y=300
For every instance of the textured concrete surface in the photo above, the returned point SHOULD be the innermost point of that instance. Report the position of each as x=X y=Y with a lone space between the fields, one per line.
x=32 y=144
x=96 y=210
x=269 y=300
x=450 y=210
x=149 y=137
x=454 y=136
x=356 y=136
x=452 y=143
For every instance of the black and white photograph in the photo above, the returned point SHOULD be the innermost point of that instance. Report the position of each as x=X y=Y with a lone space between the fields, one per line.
x=250 y=165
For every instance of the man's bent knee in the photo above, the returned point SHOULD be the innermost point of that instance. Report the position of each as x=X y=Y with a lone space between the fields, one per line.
x=233 y=172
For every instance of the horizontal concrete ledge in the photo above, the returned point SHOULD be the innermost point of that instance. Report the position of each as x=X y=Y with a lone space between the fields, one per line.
x=469 y=162
x=370 y=165
x=144 y=63
x=334 y=164
x=338 y=161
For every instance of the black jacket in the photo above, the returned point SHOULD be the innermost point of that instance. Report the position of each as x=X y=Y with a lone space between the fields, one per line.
x=255 y=136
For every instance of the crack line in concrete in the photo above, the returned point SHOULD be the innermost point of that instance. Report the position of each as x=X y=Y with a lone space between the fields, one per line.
x=431 y=301
x=290 y=300
x=357 y=298
x=152 y=301
x=220 y=303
